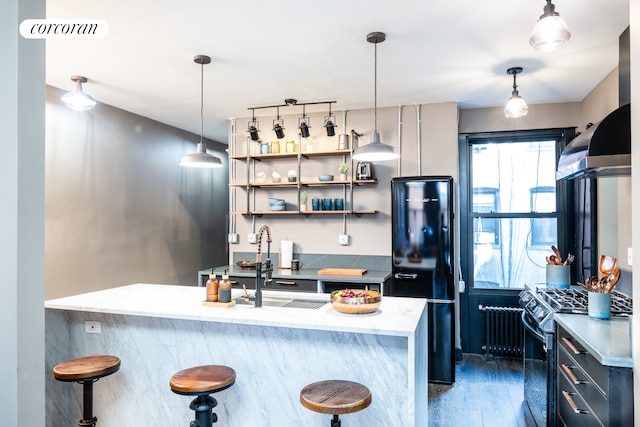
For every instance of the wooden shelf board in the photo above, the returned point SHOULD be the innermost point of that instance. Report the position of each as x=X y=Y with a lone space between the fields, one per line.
x=337 y=182
x=326 y=153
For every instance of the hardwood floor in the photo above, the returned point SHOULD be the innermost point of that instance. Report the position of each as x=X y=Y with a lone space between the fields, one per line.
x=487 y=394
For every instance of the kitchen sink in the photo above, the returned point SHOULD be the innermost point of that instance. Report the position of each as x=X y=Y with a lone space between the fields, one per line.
x=312 y=304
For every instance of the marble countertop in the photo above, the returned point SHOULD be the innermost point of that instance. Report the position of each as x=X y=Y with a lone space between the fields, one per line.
x=609 y=341
x=371 y=276
x=396 y=316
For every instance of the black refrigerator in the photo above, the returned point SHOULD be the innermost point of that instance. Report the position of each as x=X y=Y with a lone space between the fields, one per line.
x=423 y=261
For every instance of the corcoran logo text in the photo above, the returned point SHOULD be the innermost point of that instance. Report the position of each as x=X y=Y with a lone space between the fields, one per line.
x=63 y=28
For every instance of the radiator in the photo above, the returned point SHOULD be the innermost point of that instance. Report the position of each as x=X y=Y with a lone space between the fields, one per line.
x=504 y=331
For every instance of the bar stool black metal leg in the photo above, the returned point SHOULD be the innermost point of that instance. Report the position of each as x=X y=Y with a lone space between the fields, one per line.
x=88 y=420
x=203 y=405
x=335 y=422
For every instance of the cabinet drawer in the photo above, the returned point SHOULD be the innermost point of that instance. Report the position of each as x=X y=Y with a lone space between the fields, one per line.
x=572 y=408
x=582 y=384
x=281 y=284
x=593 y=368
x=237 y=282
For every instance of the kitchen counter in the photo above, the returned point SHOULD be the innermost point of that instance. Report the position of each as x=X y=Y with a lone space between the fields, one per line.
x=371 y=276
x=607 y=340
x=158 y=330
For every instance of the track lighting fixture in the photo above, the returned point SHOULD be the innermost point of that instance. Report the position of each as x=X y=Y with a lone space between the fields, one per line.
x=254 y=127
x=516 y=107
x=330 y=123
x=201 y=159
x=550 y=31
x=78 y=100
x=278 y=125
x=303 y=124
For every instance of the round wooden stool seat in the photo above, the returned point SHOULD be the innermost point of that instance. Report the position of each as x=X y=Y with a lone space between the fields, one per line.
x=335 y=397
x=86 y=368
x=203 y=380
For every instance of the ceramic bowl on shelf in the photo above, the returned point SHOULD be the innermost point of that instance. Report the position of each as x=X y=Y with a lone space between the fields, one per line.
x=276 y=202
x=355 y=301
x=277 y=207
x=325 y=178
x=246 y=264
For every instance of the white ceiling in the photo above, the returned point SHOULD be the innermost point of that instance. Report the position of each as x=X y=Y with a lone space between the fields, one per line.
x=264 y=51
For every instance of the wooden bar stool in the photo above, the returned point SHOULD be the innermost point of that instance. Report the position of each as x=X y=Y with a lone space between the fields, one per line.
x=335 y=397
x=201 y=381
x=86 y=371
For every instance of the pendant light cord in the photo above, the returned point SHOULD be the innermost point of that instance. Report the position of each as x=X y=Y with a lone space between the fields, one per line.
x=201 y=100
x=375 y=86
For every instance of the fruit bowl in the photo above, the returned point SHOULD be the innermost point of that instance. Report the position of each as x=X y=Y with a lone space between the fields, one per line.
x=355 y=301
x=246 y=264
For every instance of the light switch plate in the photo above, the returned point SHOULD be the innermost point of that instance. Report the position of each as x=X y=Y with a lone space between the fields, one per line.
x=253 y=238
x=234 y=238
x=343 y=239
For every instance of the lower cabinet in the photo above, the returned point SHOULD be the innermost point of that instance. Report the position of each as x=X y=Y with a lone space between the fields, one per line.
x=589 y=393
x=300 y=285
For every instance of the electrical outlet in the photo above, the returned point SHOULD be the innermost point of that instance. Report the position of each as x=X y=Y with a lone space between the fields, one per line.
x=234 y=238
x=92 y=327
x=253 y=238
x=343 y=239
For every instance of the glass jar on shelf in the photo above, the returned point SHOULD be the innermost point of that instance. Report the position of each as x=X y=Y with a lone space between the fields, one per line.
x=264 y=148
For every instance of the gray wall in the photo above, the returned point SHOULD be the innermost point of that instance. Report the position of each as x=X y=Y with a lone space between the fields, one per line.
x=119 y=208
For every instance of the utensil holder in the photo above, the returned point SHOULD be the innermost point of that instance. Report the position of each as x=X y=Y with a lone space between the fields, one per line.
x=599 y=305
x=558 y=276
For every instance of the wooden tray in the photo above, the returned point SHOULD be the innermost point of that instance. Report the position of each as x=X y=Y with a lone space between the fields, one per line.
x=342 y=271
x=219 y=304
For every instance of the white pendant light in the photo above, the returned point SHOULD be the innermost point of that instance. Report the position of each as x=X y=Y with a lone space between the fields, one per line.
x=201 y=159
x=375 y=151
x=516 y=106
x=550 y=31
x=78 y=100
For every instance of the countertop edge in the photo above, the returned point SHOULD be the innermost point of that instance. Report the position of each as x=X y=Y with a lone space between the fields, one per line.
x=110 y=299
x=613 y=350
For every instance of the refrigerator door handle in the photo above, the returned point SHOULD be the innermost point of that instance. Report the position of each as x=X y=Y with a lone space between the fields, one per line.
x=406 y=276
x=440 y=301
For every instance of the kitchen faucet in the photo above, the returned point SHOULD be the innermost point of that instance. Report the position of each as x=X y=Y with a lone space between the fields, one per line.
x=268 y=268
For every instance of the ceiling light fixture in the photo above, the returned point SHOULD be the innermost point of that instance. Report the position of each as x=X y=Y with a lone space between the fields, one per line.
x=201 y=159
x=278 y=125
x=254 y=126
x=304 y=123
x=516 y=107
x=78 y=100
x=330 y=123
x=550 y=31
x=375 y=150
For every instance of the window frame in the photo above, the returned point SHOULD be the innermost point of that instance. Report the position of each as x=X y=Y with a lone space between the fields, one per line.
x=564 y=194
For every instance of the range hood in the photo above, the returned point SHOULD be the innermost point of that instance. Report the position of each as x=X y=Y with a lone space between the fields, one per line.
x=604 y=149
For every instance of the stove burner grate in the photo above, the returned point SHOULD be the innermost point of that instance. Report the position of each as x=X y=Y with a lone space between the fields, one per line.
x=575 y=300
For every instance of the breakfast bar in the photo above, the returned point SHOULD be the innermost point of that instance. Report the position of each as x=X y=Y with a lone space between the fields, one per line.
x=157 y=330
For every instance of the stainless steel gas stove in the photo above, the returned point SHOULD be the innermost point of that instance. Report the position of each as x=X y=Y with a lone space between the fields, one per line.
x=539 y=304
